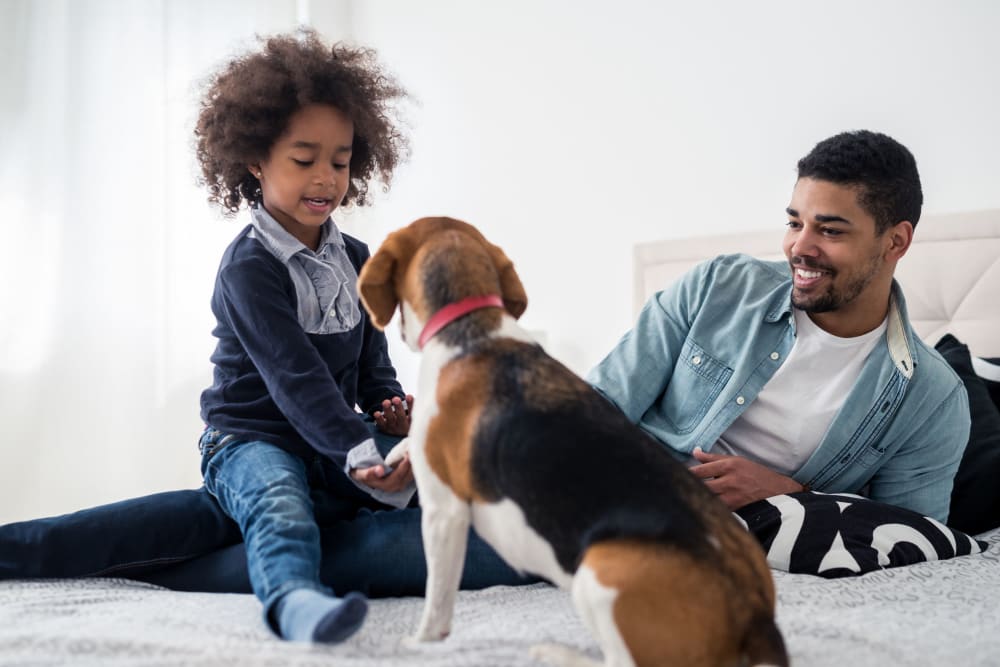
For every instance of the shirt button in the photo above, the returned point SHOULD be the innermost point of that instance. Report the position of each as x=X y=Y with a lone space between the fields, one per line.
x=740 y=400
x=696 y=360
x=775 y=355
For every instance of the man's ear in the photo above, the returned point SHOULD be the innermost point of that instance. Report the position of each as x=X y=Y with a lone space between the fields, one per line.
x=900 y=236
x=376 y=288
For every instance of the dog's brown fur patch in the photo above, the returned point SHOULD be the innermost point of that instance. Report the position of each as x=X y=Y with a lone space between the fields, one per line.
x=676 y=609
x=670 y=607
x=450 y=435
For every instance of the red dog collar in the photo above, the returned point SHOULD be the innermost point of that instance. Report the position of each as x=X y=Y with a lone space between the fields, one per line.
x=453 y=311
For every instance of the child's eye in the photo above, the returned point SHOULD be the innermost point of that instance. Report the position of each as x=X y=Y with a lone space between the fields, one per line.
x=341 y=167
x=302 y=163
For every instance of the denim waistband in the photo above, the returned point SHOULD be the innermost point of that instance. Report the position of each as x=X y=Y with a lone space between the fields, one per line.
x=212 y=440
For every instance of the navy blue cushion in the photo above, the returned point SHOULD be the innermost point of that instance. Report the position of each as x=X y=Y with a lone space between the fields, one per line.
x=992 y=380
x=975 y=498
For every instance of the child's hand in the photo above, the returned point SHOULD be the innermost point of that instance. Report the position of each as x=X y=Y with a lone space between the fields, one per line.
x=397 y=480
x=394 y=418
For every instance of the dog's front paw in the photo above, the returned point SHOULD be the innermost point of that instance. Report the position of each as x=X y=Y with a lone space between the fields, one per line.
x=431 y=632
x=419 y=639
x=396 y=454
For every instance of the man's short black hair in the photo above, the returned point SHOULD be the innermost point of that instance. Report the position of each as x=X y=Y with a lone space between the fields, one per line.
x=882 y=169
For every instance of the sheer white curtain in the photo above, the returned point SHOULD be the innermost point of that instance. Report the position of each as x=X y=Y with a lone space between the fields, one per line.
x=108 y=248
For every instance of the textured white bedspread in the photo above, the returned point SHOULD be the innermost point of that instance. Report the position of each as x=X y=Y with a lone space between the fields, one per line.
x=928 y=614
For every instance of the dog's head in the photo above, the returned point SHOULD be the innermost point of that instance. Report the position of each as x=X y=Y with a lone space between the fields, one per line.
x=430 y=263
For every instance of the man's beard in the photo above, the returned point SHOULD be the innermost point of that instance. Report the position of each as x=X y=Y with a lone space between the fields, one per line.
x=833 y=298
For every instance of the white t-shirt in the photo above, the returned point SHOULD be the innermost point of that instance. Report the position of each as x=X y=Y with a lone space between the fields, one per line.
x=785 y=424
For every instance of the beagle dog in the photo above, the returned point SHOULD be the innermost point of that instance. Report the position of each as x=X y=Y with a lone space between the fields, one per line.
x=553 y=476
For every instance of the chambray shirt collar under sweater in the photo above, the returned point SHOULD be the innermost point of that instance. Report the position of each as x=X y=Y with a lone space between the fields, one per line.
x=325 y=280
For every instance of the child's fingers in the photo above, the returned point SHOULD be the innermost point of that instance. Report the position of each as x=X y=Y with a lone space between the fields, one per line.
x=398 y=479
x=375 y=477
x=369 y=476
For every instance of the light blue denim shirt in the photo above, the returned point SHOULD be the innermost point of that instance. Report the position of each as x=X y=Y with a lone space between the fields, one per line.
x=703 y=348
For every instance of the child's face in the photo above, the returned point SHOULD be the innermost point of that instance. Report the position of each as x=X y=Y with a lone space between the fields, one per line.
x=307 y=172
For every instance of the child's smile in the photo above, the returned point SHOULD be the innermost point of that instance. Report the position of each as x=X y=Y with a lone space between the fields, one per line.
x=320 y=205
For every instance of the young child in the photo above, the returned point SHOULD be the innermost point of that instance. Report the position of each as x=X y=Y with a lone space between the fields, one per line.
x=296 y=130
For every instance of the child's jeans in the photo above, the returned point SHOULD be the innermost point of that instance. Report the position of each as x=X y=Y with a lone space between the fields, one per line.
x=269 y=493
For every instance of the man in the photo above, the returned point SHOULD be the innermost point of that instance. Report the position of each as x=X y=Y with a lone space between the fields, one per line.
x=782 y=377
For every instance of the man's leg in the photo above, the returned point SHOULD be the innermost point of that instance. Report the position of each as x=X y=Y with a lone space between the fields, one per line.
x=377 y=553
x=123 y=539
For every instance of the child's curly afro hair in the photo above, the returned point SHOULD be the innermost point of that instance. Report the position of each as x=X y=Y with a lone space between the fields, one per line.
x=249 y=102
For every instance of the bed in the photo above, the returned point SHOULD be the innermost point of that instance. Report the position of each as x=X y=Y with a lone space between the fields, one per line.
x=926 y=613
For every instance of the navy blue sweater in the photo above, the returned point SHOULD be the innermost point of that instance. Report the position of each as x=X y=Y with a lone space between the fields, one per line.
x=278 y=384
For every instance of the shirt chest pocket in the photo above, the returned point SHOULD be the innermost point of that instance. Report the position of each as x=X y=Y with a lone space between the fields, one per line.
x=696 y=383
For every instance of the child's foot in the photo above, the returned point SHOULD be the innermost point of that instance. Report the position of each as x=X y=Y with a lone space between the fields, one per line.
x=306 y=615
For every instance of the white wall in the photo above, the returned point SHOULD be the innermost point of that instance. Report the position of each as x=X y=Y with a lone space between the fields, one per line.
x=567 y=131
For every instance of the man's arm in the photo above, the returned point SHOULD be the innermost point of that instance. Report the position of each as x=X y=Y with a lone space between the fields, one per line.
x=636 y=372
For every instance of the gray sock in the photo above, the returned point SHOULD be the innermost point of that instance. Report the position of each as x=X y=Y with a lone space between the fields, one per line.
x=306 y=615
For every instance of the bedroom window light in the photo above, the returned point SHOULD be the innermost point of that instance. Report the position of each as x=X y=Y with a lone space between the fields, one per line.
x=28 y=286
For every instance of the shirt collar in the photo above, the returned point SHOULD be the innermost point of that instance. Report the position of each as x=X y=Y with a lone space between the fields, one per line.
x=899 y=334
x=283 y=245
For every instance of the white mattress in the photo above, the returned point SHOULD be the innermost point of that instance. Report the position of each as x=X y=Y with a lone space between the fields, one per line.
x=938 y=613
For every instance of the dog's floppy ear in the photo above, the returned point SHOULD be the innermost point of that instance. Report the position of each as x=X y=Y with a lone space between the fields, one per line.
x=376 y=286
x=515 y=300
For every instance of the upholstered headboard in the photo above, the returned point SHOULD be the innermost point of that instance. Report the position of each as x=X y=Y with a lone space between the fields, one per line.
x=950 y=275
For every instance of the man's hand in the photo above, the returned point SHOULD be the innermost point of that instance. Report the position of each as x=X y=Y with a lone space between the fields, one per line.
x=394 y=418
x=375 y=477
x=738 y=481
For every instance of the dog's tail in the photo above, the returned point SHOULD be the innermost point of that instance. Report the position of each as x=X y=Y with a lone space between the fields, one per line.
x=763 y=644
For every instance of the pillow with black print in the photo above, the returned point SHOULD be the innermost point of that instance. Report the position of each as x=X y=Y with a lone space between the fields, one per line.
x=842 y=535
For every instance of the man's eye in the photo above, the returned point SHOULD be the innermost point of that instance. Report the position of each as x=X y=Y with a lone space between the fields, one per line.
x=829 y=231
x=793 y=224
